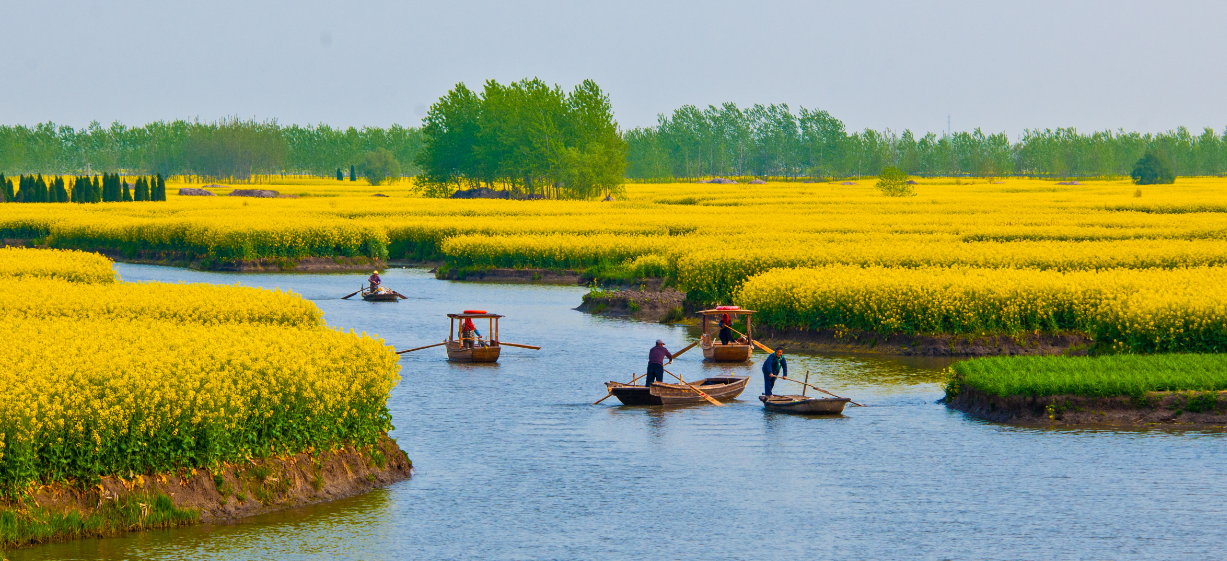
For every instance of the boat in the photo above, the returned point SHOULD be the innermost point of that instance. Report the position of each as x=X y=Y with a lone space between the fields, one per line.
x=478 y=348
x=738 y=350
x=720 y=388
x=381 y=295
x=802 y=405
x=482 y=348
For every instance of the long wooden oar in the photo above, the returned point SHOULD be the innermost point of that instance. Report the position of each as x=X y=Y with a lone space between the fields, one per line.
x=756 y=343
x=688 y=347
x=817 y=388
x=610 y=394
x=697 y=390
x=402 y=296
x=346 y=297
x=420 y=348
x=521 y=346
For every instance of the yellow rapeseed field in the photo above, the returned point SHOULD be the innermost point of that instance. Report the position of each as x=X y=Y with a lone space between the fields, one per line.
x=707 y=239
x=74 y=266
x=100 y=377
x=1135 y=310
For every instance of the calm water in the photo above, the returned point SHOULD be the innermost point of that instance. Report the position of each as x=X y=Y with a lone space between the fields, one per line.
x=513 y=461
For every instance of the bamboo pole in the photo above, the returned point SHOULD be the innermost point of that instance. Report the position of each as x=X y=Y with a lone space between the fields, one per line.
x=817 y=388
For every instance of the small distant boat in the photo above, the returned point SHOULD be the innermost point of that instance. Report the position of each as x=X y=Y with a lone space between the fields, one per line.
x=802 y=405
x=384 y=295
x=721 y=388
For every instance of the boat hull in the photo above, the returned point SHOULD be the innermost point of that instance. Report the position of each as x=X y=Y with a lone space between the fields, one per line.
x=724 y=388
x=381 y=297
x=457 y=353
x=632 y=395
x=727 y=353
x=801 y=405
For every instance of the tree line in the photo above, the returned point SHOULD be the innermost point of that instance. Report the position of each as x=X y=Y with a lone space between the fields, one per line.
x=83 y=189
x=525 y=137
x=535 y=139
x=228 y=149
x=772 y=141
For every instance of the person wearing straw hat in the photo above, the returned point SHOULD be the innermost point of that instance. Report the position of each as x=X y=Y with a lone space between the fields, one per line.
x=771 y=368
x=374 y=281
x=656 y=362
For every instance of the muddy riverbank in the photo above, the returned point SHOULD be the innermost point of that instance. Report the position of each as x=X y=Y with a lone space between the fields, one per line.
x=659 y=306
x=1192 y=410
x=831 y=340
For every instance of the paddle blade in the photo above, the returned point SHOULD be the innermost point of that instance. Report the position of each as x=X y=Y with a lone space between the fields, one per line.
x=765 y=348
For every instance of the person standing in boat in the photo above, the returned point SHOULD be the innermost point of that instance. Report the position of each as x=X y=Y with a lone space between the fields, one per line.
x=470 y=334
x=771 y=368
x=374 y=281
x=656 y=362
x=726 y=331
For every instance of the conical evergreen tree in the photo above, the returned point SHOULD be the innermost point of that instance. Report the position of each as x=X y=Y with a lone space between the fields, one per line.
x=4 y=190
x=353 y=175
x=161 y=188
x=340 y=176
x=61 y=193
x=142 y=194
x=97 y=190
x=40 y=190
x=127 y=191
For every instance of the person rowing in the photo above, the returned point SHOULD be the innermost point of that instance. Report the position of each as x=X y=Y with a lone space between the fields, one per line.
x=469 y=333
x=726 y=332
x=374 y=281
x=771 y=368
x=656 y=362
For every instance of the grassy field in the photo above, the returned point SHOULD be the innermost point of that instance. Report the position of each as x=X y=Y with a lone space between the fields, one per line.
x=1110 y=376
x=727 y=243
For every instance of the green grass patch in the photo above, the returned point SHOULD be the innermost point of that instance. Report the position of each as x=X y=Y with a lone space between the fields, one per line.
x=1104 y=376
x=21 y=526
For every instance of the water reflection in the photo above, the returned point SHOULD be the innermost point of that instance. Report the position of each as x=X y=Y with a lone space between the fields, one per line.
x=513 y=461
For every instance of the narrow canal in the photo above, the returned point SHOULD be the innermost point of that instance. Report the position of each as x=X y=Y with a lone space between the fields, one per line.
x=514 y=462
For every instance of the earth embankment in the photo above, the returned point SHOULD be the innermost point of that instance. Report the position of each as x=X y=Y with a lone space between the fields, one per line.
x=1192 y=410
x=228 y=493
x=842 y=341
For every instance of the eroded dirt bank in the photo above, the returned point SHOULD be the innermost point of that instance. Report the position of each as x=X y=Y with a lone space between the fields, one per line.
x=249 y=488
x=1194 y=410
x=830 y=340
x=639 y=304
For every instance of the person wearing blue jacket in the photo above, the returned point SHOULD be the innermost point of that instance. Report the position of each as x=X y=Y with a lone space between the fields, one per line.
x=771 y=367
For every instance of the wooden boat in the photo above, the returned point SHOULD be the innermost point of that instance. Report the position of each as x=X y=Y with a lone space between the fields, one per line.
x=389 y=296
x=736 y=351
x=802 y=405
x=476 y=347
x=483 y=348
x=721 y=388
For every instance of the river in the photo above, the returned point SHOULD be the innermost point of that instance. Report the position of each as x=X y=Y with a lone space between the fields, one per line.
x=514 y=462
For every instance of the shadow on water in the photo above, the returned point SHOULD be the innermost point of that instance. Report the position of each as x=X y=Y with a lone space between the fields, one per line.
x=513 y=461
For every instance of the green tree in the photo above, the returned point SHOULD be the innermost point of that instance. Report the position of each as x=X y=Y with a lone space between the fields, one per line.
x=893 y=183
x=380 y=165
x=353 y=175
x=127 y=190
x=160 y=194
x=340 y=176
x=1154 y=167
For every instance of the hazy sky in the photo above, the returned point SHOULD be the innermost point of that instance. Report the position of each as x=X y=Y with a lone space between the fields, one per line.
x=1001 y=66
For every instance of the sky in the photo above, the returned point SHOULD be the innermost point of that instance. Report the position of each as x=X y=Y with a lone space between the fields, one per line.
x=1000 y=66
